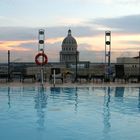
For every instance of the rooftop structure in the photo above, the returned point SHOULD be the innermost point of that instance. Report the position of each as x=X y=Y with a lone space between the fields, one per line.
x=69 y=49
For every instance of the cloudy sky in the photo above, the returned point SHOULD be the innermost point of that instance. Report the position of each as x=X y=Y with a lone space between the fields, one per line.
x=20 y=21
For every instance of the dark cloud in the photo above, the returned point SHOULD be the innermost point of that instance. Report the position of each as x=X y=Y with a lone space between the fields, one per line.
x=77 y=31
x=24 y=33
x=125 y=24
x=17 y=33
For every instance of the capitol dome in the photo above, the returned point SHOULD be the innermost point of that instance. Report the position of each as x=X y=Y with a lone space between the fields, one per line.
x=69 y=51
x=69 y=41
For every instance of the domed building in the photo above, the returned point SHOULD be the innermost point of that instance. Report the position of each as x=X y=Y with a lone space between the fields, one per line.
x=69 y=51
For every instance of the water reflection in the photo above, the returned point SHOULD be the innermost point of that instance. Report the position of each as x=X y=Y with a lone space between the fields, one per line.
x=106 y=112
x=55 y=91
x=71 y=94
x=139 y=100
x=28 y=90
x=9 y=98
x=76 y=100
x=40 y=105
x=119 y=91
x=65 y=94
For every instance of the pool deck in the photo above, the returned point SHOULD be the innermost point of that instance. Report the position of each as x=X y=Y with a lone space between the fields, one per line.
x=46 y=84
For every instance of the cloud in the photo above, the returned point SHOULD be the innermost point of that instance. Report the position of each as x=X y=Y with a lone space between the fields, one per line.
x=24 y=33
x=126 y=24
x=77 y=31
x=119 y=25
x=135 y=43
x=14 y=45
x=90 y=39
x=17 y=33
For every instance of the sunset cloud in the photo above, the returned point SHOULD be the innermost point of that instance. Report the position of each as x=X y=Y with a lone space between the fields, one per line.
x=14 y=45
x=90 y=36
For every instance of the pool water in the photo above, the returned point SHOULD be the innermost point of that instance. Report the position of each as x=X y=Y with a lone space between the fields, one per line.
x=79 y=113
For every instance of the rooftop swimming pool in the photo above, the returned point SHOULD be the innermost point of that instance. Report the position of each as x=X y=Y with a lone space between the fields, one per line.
x=63 y=113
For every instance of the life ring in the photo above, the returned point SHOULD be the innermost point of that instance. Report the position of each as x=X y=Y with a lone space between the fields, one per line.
x=45 y=59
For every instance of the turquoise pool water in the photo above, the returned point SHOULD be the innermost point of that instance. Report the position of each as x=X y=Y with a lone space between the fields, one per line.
x=82 y=113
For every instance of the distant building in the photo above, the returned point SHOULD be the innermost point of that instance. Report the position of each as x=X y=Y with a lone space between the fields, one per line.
x=130 y=60
x=131 y=65
x=69 y=49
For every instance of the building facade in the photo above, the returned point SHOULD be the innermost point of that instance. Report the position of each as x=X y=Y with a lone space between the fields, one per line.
x=131 y=65
x=69 y=51
x=128 y=60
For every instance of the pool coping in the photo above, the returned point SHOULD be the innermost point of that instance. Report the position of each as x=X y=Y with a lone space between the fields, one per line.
x=46 y=84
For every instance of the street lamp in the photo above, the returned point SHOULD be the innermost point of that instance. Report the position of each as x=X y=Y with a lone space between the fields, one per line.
x=107 y=55
x=8 y=65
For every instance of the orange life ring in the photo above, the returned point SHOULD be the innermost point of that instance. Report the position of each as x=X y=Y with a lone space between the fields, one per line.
x=45 y=59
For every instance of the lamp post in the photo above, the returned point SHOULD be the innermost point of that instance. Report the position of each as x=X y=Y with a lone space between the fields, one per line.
x=8 y=65
x=41 y=45
x=107 y=55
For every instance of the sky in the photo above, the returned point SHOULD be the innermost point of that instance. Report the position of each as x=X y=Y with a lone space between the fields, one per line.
x=20 y=21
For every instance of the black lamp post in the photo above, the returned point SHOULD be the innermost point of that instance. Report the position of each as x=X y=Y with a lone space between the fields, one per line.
x=8 y=65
